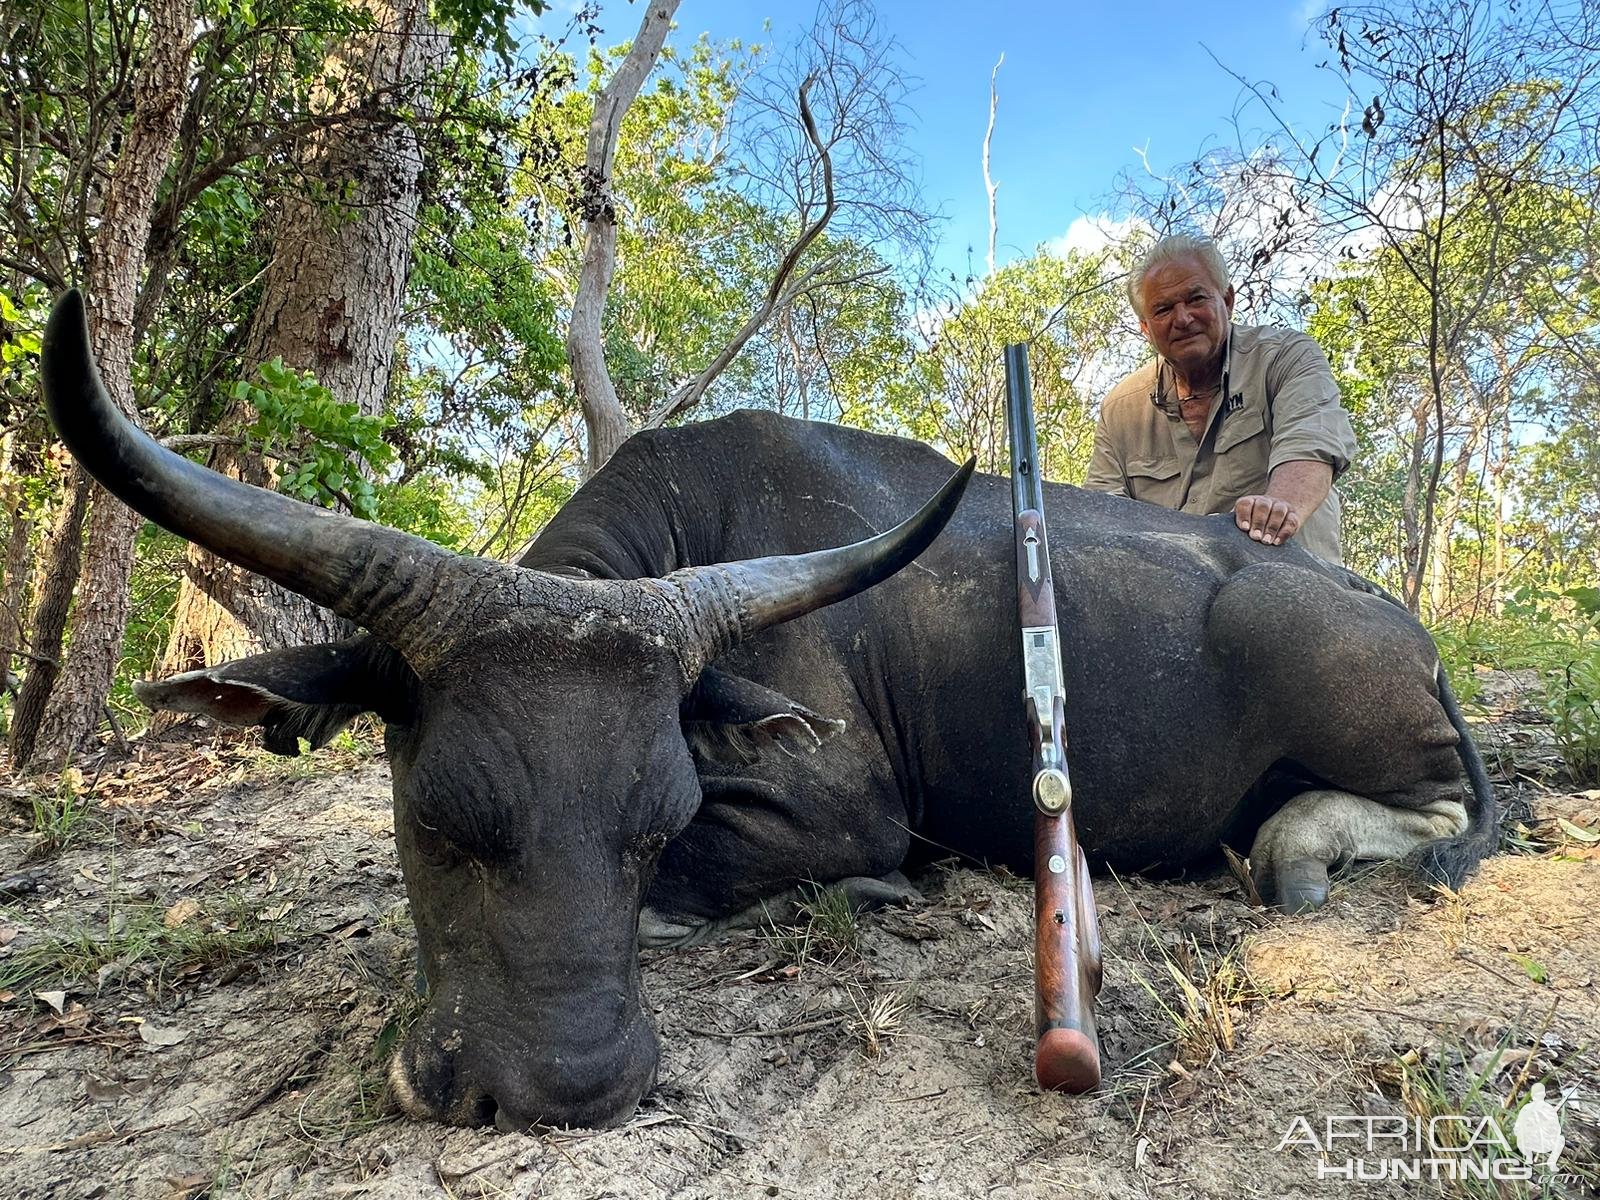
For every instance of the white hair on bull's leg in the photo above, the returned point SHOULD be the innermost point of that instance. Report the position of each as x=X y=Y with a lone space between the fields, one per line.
x=1169 y=249
x=1325 y=829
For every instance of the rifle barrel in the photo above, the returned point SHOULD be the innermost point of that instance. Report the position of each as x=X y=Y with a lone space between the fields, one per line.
x=1027 y=489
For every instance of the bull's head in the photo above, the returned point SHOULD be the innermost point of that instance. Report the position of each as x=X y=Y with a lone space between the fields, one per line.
x=528 y=823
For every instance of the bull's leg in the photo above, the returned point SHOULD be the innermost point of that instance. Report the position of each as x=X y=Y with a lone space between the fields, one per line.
x=1319 y=831
x=864 y=893
x=757 y=839
x=1347 y=687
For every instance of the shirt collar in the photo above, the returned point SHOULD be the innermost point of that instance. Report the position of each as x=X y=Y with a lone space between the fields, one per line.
x=1169 y=404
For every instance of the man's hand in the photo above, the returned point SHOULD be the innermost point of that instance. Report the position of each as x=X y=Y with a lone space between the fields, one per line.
x=1292 y=495
x=1268 y=519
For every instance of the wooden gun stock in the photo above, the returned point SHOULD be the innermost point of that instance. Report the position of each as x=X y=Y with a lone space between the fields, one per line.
x=1066 y=1057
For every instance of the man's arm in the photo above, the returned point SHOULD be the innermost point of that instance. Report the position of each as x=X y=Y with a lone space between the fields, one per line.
x=1312 y=442
x=1105 y=466
x=1293 y=493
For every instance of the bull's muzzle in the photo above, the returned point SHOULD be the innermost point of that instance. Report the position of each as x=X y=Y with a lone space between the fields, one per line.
x=446 y=1072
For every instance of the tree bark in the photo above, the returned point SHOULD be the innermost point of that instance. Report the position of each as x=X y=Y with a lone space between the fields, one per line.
x=63 y=554
x=1412 y=558
x=114 y=267
x=18 y=459
x=331 y=304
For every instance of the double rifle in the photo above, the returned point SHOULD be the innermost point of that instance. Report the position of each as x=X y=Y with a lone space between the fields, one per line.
x=1066 y=926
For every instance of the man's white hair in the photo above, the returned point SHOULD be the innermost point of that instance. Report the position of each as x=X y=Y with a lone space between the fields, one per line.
x=1175 y=246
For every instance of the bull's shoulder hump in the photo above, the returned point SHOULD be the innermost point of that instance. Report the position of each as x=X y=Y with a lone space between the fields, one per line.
x=748 y=435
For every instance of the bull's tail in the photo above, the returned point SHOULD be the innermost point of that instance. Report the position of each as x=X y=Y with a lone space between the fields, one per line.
x=1448 y=861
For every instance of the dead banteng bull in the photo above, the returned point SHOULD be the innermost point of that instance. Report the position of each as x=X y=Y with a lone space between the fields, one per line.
x=571 y=772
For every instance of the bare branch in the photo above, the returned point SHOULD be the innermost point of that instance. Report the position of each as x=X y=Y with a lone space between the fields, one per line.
x=690 y=393
x=989 y=185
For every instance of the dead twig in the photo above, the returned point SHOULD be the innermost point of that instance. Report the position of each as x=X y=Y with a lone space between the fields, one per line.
x=296 y=1068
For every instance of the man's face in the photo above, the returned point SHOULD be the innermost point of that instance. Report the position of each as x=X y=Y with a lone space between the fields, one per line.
x=1185 y=316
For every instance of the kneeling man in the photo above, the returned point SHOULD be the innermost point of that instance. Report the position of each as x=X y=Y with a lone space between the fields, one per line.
x=1227 y=418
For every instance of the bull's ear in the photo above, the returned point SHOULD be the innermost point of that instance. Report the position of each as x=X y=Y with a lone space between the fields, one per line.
x=731 y=720
x=309 y=692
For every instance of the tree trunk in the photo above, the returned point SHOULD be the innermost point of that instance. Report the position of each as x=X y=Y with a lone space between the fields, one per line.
x=1411 y=523
x=1498 y=471
x=602 y=410
x=113 y=270
x=18 y=460
x=63 y=554
x=331 y=305
x=989 y=184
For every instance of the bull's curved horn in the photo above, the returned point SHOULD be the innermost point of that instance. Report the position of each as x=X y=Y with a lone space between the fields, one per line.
x=730 y=601
x=380 y=578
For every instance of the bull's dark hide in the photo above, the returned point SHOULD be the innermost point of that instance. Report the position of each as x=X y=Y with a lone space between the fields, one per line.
x=563 y=749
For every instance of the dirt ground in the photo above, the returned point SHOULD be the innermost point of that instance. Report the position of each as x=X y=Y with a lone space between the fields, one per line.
x=199 y=989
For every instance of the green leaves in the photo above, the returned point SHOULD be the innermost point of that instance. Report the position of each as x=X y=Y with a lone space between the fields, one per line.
x=486 y=22
x=19 y=345
x=325 y=449
x=1067 y=308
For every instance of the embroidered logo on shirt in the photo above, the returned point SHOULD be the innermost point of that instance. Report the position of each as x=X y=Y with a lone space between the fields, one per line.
x=1235 y=403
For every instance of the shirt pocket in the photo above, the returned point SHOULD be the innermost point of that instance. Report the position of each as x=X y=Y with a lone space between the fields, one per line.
x=1154 y=480
x=1243 y=449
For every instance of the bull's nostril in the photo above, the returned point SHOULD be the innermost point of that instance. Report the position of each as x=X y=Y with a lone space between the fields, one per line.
x=484 y=1110
x=506 y=1123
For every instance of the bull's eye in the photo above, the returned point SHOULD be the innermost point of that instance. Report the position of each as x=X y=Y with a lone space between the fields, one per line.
x=434 y=848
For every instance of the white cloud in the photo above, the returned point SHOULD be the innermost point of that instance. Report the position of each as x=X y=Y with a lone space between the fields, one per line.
x=1307 y=12
x=1088 y=234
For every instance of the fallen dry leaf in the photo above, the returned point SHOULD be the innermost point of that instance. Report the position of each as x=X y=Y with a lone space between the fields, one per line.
x=75 y=1019
x=1574 y=831
x=184 y=910
x=152 y=1035
x=185 y=1186
x=56 y=1000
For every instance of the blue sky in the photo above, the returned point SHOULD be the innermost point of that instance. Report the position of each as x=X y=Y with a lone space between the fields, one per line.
x=1086 y=85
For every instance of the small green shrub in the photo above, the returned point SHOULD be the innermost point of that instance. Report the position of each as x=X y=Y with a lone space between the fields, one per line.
x=323 y=446
x=59 y=817
x=1555 y=633
x=1572 y=702
x=142 y=937
x=825 y=930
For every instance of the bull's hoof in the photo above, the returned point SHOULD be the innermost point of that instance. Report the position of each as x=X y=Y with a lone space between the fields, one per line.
x=867 y=893
x=660 y=932
x=1302 y=886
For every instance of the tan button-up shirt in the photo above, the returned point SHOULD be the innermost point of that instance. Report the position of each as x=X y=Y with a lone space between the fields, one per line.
x=1279 y=404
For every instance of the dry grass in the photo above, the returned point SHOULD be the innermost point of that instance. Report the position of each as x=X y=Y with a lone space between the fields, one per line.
x=1213 y=992
x=878 y=1020
x=1490 y=1083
